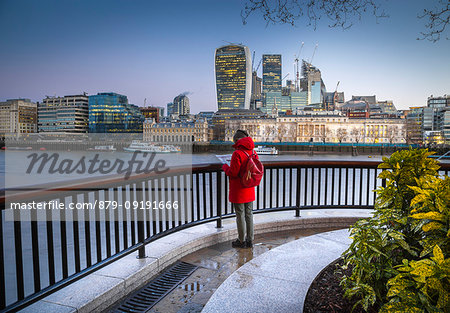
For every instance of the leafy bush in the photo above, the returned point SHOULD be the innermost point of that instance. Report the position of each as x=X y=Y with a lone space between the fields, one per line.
x=400 y=254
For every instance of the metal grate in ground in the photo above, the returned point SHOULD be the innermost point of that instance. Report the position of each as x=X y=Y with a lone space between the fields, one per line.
x=145 y=298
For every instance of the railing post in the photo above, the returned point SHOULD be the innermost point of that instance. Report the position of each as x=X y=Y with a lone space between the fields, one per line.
x=140 y=220
x=297 y=199
x=219 y=198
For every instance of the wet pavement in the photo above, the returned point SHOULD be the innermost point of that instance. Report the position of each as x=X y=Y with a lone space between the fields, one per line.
x=216 y=263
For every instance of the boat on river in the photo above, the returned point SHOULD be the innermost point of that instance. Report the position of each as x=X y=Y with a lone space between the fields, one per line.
x=263 y=150
x=139 y=146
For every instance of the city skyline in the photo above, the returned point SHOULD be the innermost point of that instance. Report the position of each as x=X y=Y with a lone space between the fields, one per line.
x=153 y=51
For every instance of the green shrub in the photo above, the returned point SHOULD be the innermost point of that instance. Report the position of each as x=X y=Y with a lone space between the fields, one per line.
x=391 y=252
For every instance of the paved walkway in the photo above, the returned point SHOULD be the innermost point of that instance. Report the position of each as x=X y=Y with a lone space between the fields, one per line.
x=98 y=291
x=215 y=264
x=278 y=280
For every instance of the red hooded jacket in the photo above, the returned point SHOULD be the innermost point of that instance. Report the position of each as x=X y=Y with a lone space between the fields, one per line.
x=239 y=193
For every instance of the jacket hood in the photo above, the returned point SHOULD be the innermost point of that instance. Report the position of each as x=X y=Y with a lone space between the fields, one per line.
x=245 y=144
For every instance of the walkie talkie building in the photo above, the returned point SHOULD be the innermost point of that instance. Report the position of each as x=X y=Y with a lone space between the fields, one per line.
x=233 y=67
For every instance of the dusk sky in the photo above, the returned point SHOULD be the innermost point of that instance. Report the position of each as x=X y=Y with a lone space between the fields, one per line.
x=159 y=49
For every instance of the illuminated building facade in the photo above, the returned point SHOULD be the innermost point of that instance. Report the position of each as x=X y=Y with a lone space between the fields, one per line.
x=68 y=114
x=111 y=113
x=271 y=72
x=181 y=105
x=18 y=116
x=151 y=113
x=233 y=77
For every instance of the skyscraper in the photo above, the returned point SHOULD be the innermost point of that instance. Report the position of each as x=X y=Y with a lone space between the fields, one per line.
x=181 y=105
x=111 y=113
x=233 y=68
x=68 y=114
x=312 y=82
x=271 y=72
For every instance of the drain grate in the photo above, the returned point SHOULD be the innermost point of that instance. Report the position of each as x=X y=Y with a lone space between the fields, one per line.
x=158 y=288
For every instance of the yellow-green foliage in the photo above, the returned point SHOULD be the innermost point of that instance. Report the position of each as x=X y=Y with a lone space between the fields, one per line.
x=400 y=255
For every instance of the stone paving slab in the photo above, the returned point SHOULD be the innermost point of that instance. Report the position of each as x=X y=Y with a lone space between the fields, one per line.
x=99 y=290
x=278 y=280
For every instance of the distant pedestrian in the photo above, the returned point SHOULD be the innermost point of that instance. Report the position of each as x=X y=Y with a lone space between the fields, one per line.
x=241 y=197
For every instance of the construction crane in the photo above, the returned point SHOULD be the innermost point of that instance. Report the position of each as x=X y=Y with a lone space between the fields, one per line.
x=253 y=60
x=314 y=52
x=285 y=76
x=297 y=76
x=258 y=66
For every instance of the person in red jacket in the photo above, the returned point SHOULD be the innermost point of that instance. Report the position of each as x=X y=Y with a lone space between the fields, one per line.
x=241 y=197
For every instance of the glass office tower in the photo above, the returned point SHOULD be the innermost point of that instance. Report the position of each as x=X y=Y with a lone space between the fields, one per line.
x=111 y=113
x=233 y=69
x=271 y=72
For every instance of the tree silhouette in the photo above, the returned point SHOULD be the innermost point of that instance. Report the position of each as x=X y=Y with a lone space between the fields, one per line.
x=340 y=13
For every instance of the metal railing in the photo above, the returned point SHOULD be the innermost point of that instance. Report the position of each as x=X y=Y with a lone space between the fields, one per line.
x=66 y=245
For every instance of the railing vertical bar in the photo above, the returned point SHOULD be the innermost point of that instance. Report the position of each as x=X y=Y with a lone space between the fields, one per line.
x=211 y=202
x=354 y=186
x=140 y=189
x=290 y=186
x=226 y=194
x=257 y=197
x=284 y=187
x=205 y=214
x=160 y=198
x=19 y=254
x=76 y=237
x=339 y=186
x=361 y=172
x=148 y=212
x=368 y=186
x=124 y=217
x=297 y=195
x=166 y=200
x=179 y=199
x=87 y=230
x=305 y=191
x=153 y=192
x=375 y=186
x=277 y=182
x=197 y=189
x=63 y=228
x=50 y=247
x=326 y=187
x=133 y=195
x=219 y=198
x=116 y=220
x=346 y=184
x=98 y=238
x=332 y=186
x=186 y=201
x=2 y=265
x=107 y=223
x=271 y=189
x=264 y=192
x=172 y=200
x=192 y=198
x=319 y=195
x=313 y=176
x=35 y=250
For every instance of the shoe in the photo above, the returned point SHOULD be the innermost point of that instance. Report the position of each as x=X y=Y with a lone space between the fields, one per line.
x=249 y=244
x=238 y=244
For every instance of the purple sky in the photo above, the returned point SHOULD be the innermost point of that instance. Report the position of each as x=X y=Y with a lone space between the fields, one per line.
x=159 y=49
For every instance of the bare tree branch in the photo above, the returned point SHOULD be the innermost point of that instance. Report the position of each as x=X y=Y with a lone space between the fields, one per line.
x=438 y=19
x=340 y=13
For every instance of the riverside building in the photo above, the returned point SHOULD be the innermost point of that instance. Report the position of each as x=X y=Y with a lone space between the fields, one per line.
x=233 y=77
x=17 y=117
x=111 y=113
x=64 y=115
x=177 y=132
x=320 y=126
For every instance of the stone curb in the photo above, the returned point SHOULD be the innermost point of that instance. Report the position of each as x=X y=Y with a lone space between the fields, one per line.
x=98 y=291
